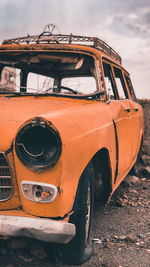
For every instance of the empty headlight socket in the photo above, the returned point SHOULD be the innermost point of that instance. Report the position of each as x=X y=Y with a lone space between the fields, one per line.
x=38 y=145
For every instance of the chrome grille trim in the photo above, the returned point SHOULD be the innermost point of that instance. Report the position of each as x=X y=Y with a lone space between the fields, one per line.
x=4 y=177
x=6 y=186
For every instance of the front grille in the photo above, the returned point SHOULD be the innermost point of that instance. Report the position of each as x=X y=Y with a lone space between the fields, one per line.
x=6 y=187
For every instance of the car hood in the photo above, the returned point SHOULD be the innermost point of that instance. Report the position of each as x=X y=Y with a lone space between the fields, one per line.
x=15 y=111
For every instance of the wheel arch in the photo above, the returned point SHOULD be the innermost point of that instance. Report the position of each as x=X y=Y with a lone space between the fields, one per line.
x=100 y=163
x=102 y=170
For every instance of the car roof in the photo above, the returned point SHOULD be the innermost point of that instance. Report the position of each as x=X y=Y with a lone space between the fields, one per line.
x=62 y=41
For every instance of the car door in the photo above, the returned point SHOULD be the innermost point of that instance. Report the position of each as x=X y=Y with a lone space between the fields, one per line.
x=120 y=106
x=136 y=117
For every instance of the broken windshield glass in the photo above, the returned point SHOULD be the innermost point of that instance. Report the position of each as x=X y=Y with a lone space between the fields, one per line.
x=58 y=72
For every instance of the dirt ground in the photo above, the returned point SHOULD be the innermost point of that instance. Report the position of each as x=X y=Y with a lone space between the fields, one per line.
x=121 y=235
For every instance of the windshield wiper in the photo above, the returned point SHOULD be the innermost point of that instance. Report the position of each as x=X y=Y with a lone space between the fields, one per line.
x=56 y=89
x=95 y=95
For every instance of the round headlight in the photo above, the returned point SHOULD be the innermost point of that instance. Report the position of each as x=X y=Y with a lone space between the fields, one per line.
x=38 y=145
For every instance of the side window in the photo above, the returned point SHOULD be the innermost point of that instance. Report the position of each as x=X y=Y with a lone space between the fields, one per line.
x=85 y=85
x=129 y=84
x=10 y=79
x=39 y=83
x=109 y=81
x=120 y=84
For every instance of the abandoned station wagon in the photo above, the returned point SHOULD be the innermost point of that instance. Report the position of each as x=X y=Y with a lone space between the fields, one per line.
x=70 y=127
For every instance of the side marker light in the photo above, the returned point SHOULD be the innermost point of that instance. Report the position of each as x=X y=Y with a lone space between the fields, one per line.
x=39 y=192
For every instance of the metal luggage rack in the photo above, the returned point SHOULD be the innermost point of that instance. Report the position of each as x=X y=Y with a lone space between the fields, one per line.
x=47 y=37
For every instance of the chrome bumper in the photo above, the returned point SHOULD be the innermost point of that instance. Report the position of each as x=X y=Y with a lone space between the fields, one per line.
x=42 y=229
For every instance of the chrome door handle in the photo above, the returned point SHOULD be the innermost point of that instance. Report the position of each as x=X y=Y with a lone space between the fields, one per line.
x=127 y=109
x=136 y=109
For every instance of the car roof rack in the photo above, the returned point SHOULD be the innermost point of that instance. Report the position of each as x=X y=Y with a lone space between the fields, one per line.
x=49 y=38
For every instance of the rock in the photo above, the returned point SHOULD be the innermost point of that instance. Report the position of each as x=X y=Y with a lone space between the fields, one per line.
x=10 y=265
x=133 y=191
x=124 y=195
x=122 y=237
x=19 y=242
x=38 y=252
x=142 y=205
x=134 y=204
x=122 y=244
x=146 y=172
x=96 y=241
x=131 y=180
x=147 y=240
x=120 y=202
x=132 y=238
x=109 y=245
x=141 y=235
x=138 y=244
x=145 y=159
x=145 y=187
x=148 y=169
x=147 y=250
x=144 y=245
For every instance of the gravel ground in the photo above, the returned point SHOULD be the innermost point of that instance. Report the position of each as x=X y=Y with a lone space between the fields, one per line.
x=121 y=233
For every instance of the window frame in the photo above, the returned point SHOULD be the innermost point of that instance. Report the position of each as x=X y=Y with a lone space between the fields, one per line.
x=114 y=88
x=131 y=92
x=125 y=87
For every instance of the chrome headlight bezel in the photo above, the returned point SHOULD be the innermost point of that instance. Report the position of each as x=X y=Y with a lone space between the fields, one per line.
x=45 y=138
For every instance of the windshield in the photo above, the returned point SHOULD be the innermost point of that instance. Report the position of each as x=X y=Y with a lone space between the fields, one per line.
x=48 y=72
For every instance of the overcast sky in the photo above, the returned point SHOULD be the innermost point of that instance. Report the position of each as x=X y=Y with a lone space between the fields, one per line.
x=123 y=24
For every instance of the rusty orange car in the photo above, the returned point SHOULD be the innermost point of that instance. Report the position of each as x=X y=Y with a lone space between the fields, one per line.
x=70 y=126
